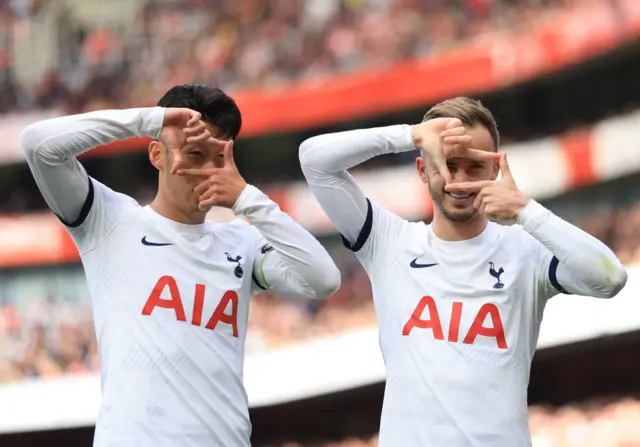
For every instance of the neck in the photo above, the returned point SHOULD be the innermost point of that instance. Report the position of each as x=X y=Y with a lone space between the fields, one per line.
x=449 y=230
x=166 y=209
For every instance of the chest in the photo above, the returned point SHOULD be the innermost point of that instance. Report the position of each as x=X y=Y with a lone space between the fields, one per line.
x=474 y=298
x=204 y=280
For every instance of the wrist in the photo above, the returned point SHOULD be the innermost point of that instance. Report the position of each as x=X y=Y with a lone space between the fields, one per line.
x=248 y=199
x=416 y=136
x=523 y=202
x=152 y=122
x=530 y=213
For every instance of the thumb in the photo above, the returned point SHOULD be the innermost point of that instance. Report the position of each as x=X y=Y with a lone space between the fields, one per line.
x=228 y=154
x=192 y=117
x=441 y=166
x=453 y=123
x=505 y=170
x=177 y=160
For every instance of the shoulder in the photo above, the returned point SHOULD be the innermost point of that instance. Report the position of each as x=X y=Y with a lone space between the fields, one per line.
x=112 y=198
x=235 y=229
x=383 y=232
x=393 y=224
x=514 y=239
x=104 y=209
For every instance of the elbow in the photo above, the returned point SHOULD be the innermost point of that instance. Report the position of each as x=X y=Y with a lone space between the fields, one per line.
x=610 y=285
x=307 y=154
x=31 y=139
x=616 y=282
x=327 y=282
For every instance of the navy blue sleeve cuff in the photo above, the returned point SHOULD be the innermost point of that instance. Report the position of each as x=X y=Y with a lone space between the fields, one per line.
x=84 y=212
x=364 y=232
x=256 y=282
x=553 y=279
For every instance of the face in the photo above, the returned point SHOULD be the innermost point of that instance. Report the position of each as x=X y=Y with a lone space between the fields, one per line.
x=459 y=207
x=179 y=189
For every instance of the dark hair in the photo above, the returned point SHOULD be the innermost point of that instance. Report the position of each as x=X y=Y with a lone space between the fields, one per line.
x=469 y=111
x=217 y=108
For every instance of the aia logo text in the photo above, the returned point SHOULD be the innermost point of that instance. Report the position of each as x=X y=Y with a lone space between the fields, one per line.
x=432 y=322
x=174 y=302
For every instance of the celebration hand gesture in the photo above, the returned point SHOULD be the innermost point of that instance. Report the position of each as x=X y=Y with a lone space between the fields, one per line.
x=220 y=186
x=443 y=138
x=500 y=200
x=183 y=127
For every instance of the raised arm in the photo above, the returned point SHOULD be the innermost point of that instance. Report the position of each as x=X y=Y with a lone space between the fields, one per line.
x=51 y=148
x=288 y=259
x=567 y=258
x=577 y=262
x=325 y=160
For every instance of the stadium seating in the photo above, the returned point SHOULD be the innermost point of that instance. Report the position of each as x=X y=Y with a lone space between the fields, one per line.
x=250 y=45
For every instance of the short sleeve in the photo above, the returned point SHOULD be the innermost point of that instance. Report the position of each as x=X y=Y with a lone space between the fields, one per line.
x=378 y=234
x=102 y=210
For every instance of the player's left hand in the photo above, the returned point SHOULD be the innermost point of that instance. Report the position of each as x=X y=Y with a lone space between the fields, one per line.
x=220 y=186
x=500 y=200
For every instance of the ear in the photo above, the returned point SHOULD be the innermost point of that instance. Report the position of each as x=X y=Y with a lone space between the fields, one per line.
x=422 y=170
x=156 y=149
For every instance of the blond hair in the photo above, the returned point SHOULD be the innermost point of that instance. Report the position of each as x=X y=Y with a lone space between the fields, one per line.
x=468 y=110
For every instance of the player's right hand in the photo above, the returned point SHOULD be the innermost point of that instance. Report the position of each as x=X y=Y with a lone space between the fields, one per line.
x=443 y=138
x=182 y=127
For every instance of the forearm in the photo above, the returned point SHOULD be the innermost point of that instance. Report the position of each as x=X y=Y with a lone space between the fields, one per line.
x=586 y=264
x=325 y=160
x=309 y=269
x=337 y=152
x=64 y=137
x=51 y=148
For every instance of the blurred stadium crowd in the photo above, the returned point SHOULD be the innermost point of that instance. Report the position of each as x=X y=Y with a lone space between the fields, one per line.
x=244 y=44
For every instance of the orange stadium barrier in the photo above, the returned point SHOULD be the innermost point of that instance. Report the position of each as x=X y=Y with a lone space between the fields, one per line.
x=575 y=159
x=490 y=63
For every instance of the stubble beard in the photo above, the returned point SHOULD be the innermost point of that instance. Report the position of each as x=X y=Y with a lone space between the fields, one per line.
x=438 y=199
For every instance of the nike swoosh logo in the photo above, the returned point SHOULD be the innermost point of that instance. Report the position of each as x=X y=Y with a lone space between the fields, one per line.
x=415 y=265
x=153 y=244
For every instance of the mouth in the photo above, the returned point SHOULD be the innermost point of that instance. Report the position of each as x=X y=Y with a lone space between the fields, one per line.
x=459 y=195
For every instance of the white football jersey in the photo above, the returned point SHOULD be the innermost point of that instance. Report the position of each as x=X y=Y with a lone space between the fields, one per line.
x=170 y=300
x=459 y=323
x=171 y=303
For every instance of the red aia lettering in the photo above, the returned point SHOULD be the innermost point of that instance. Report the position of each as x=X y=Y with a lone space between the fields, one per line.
x=219 y=315
x=432 y=323
x=156 y=300
x=175 y=302
x=496 y=330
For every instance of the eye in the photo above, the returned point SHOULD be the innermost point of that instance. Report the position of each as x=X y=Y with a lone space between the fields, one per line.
x=196 y=154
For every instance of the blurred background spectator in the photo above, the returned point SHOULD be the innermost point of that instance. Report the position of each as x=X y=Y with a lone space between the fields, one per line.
x=70 y=56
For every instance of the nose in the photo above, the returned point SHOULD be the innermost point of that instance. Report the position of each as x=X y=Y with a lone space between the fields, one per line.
x=460 y=176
